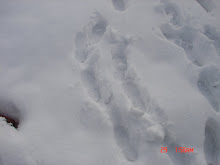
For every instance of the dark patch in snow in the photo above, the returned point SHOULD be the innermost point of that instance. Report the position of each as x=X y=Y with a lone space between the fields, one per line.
x=199 y=50
x=209 y=85
x=211 y=143
x=10 y=112
x=119 y=5
x=207 y=5
x=214 y=35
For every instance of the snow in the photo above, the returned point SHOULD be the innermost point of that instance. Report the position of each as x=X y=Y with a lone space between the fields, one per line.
x=110 y=82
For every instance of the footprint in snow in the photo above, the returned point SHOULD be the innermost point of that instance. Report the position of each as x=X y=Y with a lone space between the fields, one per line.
x=90 y=35
x=209 y=85
x=211 y=143
x=120 y=5
x=214 y=35
x=197 y=47
x=207 y=5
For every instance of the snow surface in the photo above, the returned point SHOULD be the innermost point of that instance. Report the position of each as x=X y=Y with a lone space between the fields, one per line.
x=110 y=82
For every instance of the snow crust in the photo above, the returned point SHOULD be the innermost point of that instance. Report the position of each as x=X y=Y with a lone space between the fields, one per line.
x=110 y=82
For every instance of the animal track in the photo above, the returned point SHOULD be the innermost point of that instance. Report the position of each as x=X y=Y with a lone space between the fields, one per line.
x=213 y=35
x=140 y=124
x=209 y=85
x=174 y=12
x=82 y=49
x=92 y=118
x=124 y=141
x=131 y=125
x=91 y=34
x=135 y=127
x=97 y=87
x=207 y=5
x=197 y=48
x=105 y=91
x=133 y=93
x=87 y=53
x=118 y=51
x=119 y=60
x=211 y=143
x=90 y=81
x=96 y=28
x=119 y=5
x=122 y=131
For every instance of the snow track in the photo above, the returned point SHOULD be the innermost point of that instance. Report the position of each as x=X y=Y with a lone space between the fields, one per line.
x=110 y=82
x=208 y=84
x=201 y=48
x=144 y=121
x=120 y=5
x=211 y=143
x=207 y=5
x=197 y=47
x=213 y=34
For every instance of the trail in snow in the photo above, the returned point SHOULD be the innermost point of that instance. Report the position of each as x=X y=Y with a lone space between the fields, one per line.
x=209 y=85
x=144 y=121
x=130 y=125
x=207 y=5
x=114 y=102
x=120 y=5
x=198 y=48
x=202 y=48
x=211 y=143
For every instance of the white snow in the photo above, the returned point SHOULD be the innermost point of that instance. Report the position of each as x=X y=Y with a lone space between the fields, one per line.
x=110 y=82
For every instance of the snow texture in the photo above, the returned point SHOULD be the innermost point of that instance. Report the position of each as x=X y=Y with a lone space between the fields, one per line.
x=110 y=82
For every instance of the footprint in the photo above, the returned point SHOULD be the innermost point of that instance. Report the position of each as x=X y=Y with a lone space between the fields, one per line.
x=213 y=35
x=119 y=43
x=209 y=85
x=124 y=141
x=90 y=35
x=207 y=5
x=174 y=12
x=123 y=127
x=82 y=49
x=119 y=60
x=87 y=53
x=120 y=5
x=80 y=40
x=98 y=88
x=100 y=27
x=134 y=94
x=211 y=143
x=198 y=49
x=105 y=91
x=130 y=131
x=92 y=119
x=96 y=28
x=133 y=128
x=90 y=81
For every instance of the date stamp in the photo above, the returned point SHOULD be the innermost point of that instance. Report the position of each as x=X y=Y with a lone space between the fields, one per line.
x=178 y=150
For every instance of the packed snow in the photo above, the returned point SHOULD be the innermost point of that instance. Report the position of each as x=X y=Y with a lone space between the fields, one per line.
x=109 y=82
